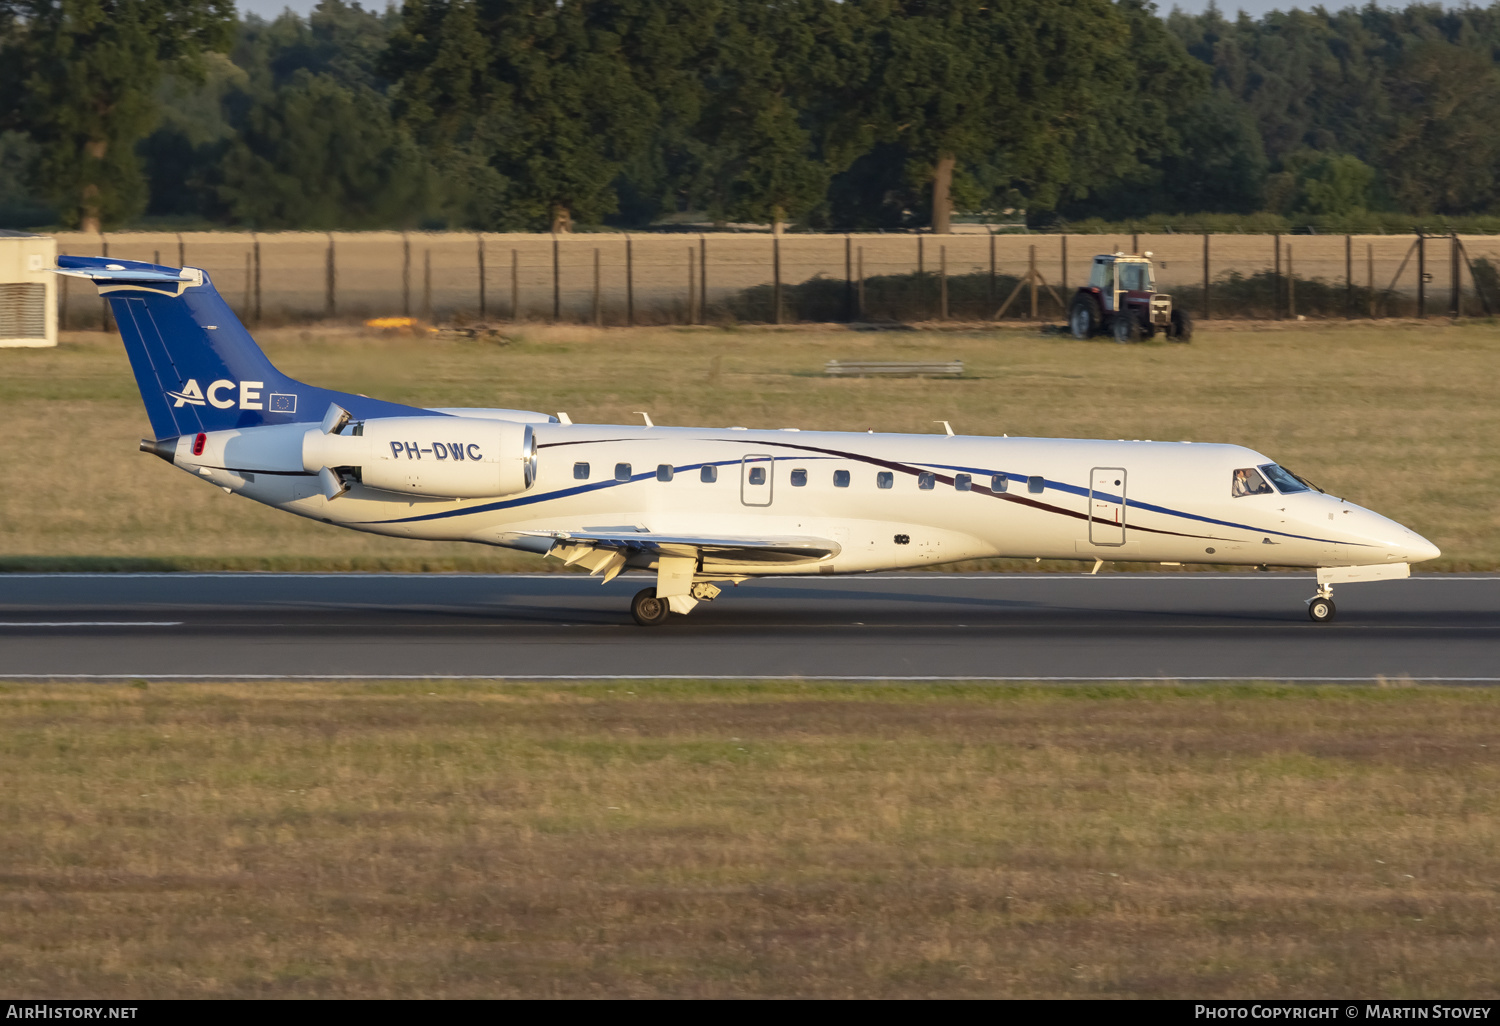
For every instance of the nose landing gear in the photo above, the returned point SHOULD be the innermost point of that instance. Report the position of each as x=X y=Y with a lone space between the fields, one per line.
x=1320 y=608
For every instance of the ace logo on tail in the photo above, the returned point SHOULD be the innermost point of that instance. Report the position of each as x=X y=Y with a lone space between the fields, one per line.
x=246 y=395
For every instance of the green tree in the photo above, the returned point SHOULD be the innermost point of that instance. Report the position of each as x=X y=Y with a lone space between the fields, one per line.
x=551 y=95
x=82 y=79
x=1028 y=99
x=1443 y=145
x=320 y=154
x=755 y=152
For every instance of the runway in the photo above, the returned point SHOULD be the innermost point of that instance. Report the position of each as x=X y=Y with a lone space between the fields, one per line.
x=920 y=626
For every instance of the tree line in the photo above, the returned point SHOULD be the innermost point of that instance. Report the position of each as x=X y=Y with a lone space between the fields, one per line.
x=829 y=114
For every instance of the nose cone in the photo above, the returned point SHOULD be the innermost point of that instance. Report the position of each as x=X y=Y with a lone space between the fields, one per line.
x=1418 y=549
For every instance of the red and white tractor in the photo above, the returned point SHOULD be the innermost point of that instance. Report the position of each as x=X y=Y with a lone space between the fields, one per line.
x=1121 y=299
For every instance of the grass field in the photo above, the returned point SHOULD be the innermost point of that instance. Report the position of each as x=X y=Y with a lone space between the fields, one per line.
x=1398 y=416
x=682 y=839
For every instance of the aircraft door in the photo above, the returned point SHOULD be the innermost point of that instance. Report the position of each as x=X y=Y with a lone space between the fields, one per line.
x=755 y=480
x=1107 y=506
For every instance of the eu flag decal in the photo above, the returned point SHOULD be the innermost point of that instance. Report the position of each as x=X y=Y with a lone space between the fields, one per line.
x=281 y=403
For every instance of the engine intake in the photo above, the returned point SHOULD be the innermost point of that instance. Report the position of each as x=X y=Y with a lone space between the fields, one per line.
x=442 y=457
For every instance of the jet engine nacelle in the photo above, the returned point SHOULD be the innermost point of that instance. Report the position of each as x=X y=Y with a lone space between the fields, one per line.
x=443 y=457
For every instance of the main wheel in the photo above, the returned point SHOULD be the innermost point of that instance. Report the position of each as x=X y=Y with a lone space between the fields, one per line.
x=1084 y=316
x=1127 y=328
x=1181 y=329
x=1321 y=610
x=648 y=610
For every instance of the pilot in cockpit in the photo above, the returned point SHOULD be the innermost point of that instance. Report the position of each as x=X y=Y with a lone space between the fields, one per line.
x=1249 y=482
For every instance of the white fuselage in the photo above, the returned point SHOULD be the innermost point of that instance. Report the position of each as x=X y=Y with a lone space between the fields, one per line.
x=904 y=504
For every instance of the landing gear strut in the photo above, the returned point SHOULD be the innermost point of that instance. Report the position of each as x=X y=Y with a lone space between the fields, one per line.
x=1320 y=608
x=648 y=610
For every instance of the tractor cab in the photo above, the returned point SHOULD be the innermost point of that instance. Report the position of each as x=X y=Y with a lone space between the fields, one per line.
x=1121 y=299
x=1121 y=279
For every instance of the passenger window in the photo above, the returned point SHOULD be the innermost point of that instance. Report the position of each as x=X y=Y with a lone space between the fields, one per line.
x=1036 y=485
x=757 y=475
x=664 y=472
x=1285 y=481
x=622 y=471
x=884 y=479
x=926 y=482
x=708 y=475
x=580 y=472
x=1249 y=482
x=963 y=482
x=799 y=478
x=841 y=479
x=999 y=483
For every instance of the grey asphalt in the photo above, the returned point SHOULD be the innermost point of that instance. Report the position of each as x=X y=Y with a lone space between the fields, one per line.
x=930 y=625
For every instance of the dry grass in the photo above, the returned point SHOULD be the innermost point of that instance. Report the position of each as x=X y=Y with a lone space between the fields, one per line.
x=1398 y=416
x=680 y=839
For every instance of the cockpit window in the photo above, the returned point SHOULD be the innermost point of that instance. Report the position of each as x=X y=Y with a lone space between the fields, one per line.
x=1100 y=277
x=1285 y=481
x=1249 y=482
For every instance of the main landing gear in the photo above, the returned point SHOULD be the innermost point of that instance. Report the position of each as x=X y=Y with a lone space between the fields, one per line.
x=648 y=610
x=1320 y=608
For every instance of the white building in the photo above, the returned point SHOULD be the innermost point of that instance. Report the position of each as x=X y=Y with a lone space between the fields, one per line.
x=28 y=289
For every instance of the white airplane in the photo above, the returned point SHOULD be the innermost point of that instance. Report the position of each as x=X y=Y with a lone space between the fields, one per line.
x=699 y=507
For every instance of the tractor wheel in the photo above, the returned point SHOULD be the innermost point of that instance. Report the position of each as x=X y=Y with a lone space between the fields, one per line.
x=1181 y=328
x=1127 y=328
x=1084 y=317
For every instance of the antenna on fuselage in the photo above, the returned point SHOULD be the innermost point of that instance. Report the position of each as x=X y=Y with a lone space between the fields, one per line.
x=643 y=413
x=946 y=427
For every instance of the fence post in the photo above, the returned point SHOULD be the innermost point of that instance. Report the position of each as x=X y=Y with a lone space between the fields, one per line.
x=702 y=279
x=515 y=285
x=1348 y=277
x=483 y=276
x=942 y=283
x=181 y=251
x=427 y=283
x=1207 y=281
x=255 y=245
x=1455 y=285
x=1276 y=281
x=1135 y=243
x=848 y=279
x=629 y=283
x=991 y=290
x=109 y=317
x=692 y=286
x=1031 y=276
x=556 y=279
x=405 y=275
x=1291 y=285
x=598 y=312
x=62 y=306
x=1063 y=240
x=861 y=273
x=776 y=279
x=1421 y=273
x=330 y=283
x=245 y=307
x=1370 y=277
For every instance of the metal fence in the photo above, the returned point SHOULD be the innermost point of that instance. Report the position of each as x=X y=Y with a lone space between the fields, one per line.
x=667 y=278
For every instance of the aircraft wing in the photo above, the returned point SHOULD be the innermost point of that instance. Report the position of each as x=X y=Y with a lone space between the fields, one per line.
x=606 y=551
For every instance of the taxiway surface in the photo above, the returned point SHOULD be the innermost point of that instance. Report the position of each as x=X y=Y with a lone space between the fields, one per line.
x=927 y=625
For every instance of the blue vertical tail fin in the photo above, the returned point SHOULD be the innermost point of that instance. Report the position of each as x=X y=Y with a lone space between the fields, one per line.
x=197 y=367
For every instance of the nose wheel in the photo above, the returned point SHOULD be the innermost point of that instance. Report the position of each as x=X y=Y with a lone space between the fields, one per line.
x=1320 y=608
